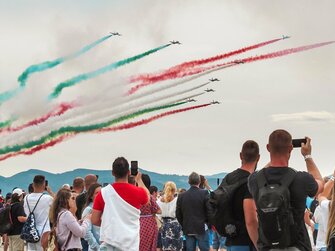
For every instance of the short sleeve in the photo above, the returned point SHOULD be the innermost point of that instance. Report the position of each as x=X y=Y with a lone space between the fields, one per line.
x=99 y=202
x=311 y=186
x=154 y=206
x=143 y=197
x=252 y=184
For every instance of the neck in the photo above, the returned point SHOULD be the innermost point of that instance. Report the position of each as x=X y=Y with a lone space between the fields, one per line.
x=39 y=190
x=249 y=167
x=121 y=180
x=279 y=161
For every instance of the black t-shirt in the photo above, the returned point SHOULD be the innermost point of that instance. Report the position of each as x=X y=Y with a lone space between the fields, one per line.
x=241 y=193
x=302 y=186
x=80 y=202
x=16 y=211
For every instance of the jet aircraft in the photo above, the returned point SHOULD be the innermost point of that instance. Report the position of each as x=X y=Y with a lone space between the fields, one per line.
x=191 y=100
x=285 y=37
x=215 y=102
x=175 y=42
x=209 y=90
x=214 y=79
x=115 y=33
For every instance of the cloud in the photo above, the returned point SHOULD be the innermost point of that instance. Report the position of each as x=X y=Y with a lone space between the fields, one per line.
x=308 y=116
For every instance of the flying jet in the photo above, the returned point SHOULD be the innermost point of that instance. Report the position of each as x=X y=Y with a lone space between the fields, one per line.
x=191 y=100
x=215 y=102
x=175 y=42
x=214 y=79
x=209 y=90
x=239 y=62
x=285 y=37
x=115 y=33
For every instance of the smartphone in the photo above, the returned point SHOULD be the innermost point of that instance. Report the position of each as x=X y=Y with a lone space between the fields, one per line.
x=46 y=184
x=297 y=142
x=134 y=167
x=97 y=176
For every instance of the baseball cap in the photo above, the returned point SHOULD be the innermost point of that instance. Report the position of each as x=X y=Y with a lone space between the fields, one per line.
x=18 y=191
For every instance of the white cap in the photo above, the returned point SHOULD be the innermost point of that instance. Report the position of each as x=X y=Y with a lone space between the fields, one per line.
x=18 y=191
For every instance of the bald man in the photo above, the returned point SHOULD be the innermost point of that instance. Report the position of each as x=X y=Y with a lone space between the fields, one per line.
x=81 y=199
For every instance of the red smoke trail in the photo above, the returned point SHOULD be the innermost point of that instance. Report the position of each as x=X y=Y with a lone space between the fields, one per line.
x=59 y=110
x=231 y=63
x=181 y=67
x=116 y=128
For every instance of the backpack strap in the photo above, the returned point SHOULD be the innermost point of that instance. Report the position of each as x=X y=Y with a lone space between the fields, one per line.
x=286 y=180
x=35 y=204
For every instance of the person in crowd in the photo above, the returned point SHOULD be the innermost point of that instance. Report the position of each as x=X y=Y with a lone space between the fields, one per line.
x=192 y=214
x=243 y=206
x=303 y=184
x=18 y=217
x=204 y=183
x=148 y=224
x=117 y=209
x=67 y=186
x=171 y=232
x=322 y=213
x=330 y=234
x=92 y=235
x=81 y=200
x=153 y=191
x=41 y=202
x=68 y=229
x=78 y=185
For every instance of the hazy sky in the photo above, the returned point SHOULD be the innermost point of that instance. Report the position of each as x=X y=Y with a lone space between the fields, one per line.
x=295 y=92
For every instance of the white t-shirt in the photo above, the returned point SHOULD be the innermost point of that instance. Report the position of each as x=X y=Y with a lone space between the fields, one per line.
x=168 y=208
x=41 y=211
x=321 y=217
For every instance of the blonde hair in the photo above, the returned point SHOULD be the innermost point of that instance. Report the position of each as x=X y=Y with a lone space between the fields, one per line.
x=170 y=189
x=331 y=217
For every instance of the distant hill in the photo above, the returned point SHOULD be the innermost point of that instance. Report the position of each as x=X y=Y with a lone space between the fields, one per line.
x=23 y=179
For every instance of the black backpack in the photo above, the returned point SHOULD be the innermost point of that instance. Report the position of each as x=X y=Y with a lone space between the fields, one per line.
x=220 y=210
x=277 y=228
x=29 y=231
x=6 y=222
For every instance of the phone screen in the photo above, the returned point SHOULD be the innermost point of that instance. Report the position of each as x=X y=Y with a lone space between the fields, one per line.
x=134 y=167
x=297 y=142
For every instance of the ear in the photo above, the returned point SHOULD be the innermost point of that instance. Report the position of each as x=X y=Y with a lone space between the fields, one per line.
x=258 y=157
x=240 y=155
x=268 y=147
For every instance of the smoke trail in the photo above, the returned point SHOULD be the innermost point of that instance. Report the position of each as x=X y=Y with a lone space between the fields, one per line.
x=80 y=129
x=198 y=70
x=50 y=64
x=116 y=128
x=22 y=79
x=175 y=69
x=86 y=76
x=5 y=124
x=59 y=110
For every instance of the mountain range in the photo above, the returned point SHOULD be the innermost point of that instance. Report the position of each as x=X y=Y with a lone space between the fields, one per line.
x=55 y=181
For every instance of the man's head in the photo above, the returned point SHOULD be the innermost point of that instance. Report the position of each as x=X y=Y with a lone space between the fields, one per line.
x=78 y=185
x=250 y=152
x=90 y=179
x=280 y=143
x=194 y=179
x=120 y=168
x=39 y=183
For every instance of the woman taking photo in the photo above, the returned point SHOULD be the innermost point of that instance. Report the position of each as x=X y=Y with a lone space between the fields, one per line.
x=92 y=235
x=68 y=229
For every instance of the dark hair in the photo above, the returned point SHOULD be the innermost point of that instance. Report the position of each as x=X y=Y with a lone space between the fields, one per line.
x=146 y=180
x=153 y=189
x=280 y=141
x=78 y=182
x=15 y=198
x=120 y=167
x=60 y=202
x=90 y=193
x=194 y=179
x=30 y=188
x=202 y=181
x=39 y=180
x=250 y=151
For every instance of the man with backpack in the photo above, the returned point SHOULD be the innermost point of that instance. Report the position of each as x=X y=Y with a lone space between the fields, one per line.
x=280 y=194
x=36 y=207
x=243 y=209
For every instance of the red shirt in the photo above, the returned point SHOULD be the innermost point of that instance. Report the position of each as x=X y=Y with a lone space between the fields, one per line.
x=135 y=196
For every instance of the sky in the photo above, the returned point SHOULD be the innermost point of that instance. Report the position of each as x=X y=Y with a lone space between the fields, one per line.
x=294 y=92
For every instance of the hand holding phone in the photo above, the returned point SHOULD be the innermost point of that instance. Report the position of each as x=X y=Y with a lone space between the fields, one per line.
x=298 y=142
x=134 y=167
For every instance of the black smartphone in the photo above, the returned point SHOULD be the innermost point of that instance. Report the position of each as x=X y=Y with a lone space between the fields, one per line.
x=297 y=142
x=46 y=184
x=134 y=167
x=97 y=176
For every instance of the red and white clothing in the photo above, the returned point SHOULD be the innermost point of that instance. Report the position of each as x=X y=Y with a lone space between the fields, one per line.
x=120 y=204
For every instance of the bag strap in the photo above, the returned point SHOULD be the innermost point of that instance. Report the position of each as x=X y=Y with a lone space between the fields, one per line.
x=286 y=180
x=35 y=205
x=70 y=234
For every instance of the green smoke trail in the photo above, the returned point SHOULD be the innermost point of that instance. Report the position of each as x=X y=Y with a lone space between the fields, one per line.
x=22 y=79
x=5 y=123
x=86 y=76
x=86 y=128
